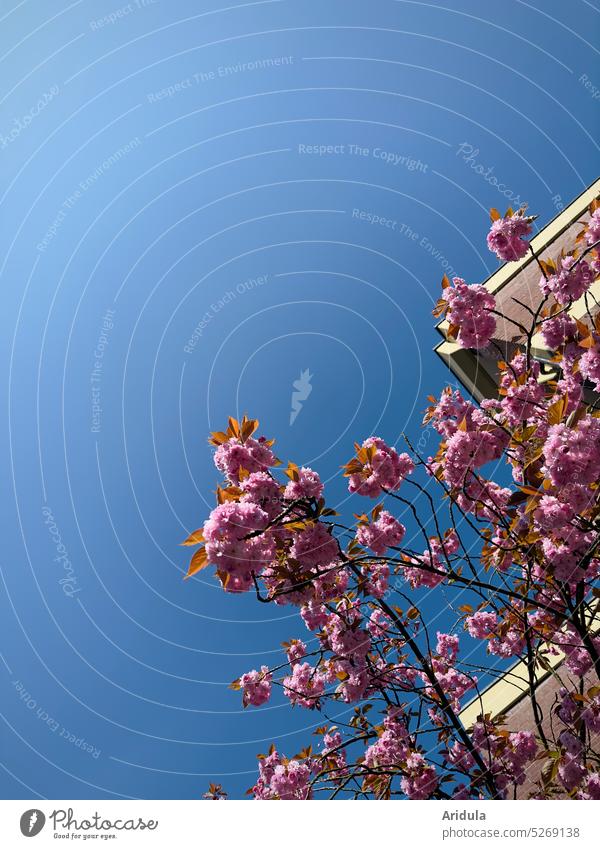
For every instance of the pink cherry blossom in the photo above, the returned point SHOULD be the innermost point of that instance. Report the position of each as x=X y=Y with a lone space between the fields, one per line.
x=307 y=485
x=469 y=309
x=393 y=744
x=449 y=412
x=296 y=651
x=260 y=488
x=386 y=470
x=572 y=454
x=523 y=393
x=591 y=787
x=553 y=514
x=253 y=455
x=421 y=779
x=304 y=686
x=435 y=558
x=507 y=236
x=593 y=228
x=569 y=283
x=589 y=365
x=467 y=451
x=379 y=623
x=283 y=779
x=385 y=532
x=230 y=548
x=256 y=686
x=591 y=714
x=481 y=625
x=314 y=546
x=315 y=615
x=555 y=331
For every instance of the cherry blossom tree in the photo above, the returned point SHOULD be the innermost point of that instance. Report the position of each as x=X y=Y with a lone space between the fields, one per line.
x=514 y=561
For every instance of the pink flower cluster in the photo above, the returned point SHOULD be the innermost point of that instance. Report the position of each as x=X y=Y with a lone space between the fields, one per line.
x=572 y=454
x=314 y=546
x=385 y=532
x=280 y=778
x=307 y=485
x=314 y=615
x=229 y=547
x=468 y=450
x=472 y=439
x=481 y=625
x=449 y=412
x=593 y=228
x=511 y=642
x=296 y=651
x=260 y=488
x=420 y=780
x=454 y=683
x=577 y=657
x=334 y=754
x=523 y=393
x=552 y=514
x=591 y=714
x=350 y=645
x=507 y=236
x=570 y=282
x=393 y=745
x=304 y=686
x=377 y=578
x=436 y=558
x=571 y=770
x=591 y=787
x=256 y=686
x=565 y=554
x=507 y=756
x=460 y=757
x=556 y=331
x=470 y=310
x=386 y=470
x=484 y=498
x=589 y=366
x=253 y=455
x=379 y=623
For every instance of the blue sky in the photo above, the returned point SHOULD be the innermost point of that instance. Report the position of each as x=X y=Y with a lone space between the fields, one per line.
x=199 y=203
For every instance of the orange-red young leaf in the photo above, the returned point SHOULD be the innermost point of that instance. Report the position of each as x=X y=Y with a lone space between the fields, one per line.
x=195 y=538
x=198 y=562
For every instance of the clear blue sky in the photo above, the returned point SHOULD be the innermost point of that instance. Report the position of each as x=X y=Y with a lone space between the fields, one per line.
x=284 y=183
